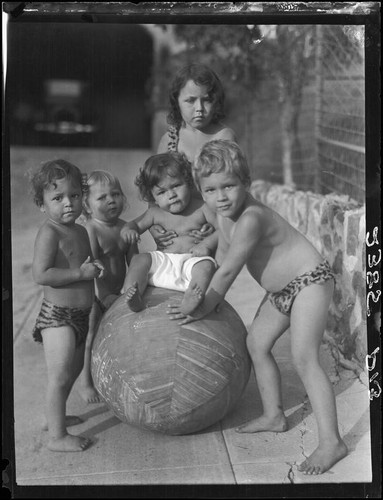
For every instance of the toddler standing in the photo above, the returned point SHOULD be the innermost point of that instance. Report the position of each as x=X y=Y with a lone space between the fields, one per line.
x=63 y=264
x=103 y=203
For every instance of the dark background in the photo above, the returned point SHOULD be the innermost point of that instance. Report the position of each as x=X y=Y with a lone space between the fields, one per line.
x=114 y=63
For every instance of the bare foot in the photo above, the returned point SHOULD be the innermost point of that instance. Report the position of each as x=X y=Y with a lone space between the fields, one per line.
x=265 y=424
x=69 y=421
x=69 y=443
x=323 y=458
x=192 y=298
x=89 y=394
x=133 y=298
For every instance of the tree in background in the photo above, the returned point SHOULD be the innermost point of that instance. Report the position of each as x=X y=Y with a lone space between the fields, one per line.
x=289 y=55
x=245 y=56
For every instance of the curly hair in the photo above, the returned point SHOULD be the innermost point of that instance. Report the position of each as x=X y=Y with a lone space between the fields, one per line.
x=200 y=74
x=50 y=172
x=157 y=166
x=100 y=177
x=221 y=155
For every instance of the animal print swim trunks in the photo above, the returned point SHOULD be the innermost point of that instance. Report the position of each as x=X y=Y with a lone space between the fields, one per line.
x=54 y=316
x=284 y=299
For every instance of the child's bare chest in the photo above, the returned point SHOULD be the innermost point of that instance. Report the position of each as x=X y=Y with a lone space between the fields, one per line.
x=74 y=247
x=112 y=245
x=227 y=228
x=182 y=224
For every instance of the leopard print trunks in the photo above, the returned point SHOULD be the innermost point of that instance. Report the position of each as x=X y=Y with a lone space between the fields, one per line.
x=284 y=299
x=54 y=316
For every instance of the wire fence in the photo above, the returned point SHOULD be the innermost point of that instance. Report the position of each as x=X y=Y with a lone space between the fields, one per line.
x=295 y=99
x=340 y=113
x=328 y=150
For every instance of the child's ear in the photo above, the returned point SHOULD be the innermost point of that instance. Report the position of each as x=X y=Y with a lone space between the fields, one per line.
x=86 y=208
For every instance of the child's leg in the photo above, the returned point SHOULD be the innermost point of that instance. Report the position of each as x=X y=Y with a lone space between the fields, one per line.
x=86 y=387
x=78 y=363
x=64 y=362
x=137 y=280
x=308 y=322
x=268 y=325
x=201 y=275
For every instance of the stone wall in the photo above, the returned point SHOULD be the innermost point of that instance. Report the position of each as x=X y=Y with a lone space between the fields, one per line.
x=335 y=225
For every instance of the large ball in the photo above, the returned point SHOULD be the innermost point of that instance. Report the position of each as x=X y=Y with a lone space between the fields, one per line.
x=158 y=375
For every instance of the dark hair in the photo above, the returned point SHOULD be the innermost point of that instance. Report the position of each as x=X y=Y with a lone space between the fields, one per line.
x=200 y=74
x=50 y=172
x=171 y=163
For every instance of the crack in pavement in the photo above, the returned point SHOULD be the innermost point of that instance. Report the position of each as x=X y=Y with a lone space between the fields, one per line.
x=290 y=473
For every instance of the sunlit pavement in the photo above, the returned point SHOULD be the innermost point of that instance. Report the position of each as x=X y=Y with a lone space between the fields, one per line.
x=125 y=455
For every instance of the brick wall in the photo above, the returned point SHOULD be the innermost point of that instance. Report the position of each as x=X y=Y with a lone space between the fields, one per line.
x=335 y=225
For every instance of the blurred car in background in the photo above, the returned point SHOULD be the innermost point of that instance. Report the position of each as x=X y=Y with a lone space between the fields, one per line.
x=64 y=108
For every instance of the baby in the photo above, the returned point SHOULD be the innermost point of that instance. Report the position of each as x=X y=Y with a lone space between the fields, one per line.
x=166 y=181
x=103 y=203
x=63 y=264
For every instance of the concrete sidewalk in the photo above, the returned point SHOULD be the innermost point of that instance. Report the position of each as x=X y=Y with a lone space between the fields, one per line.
x=126 y=455
x=123 y=454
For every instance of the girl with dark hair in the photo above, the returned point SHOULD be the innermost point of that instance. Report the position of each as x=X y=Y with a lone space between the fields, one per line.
x=197 y=102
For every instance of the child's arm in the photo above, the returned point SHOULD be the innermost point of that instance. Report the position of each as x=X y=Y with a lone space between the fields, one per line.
x=44 y=272
x=162 y=237
x=243 y=243
x=209 y=243
x=132 y=250
x=207 y=247
x=95 y=247
x=131 y=230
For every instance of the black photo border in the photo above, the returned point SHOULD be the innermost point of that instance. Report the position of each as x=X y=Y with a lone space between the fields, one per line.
x=366 y=13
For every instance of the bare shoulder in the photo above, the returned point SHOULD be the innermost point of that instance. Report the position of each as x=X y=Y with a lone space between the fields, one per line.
x=252 y=219
x=153 y=215
x=226 y=133
x=163 y=144
x=90 y=226
x=154 y=211
x=50 y=235
x=47 y=231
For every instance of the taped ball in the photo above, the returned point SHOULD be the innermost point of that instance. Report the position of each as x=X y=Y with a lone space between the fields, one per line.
x=159 y=375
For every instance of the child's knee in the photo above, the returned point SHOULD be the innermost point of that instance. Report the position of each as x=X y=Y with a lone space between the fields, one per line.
x=205 y=265
x=257 y=349
x=203 y=269
x=143 y=260
x=302 y=361
x=61 y=380
x=251 y=346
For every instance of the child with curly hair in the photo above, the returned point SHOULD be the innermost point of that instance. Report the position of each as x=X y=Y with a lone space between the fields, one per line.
x=166 y=182
x=64 y=265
